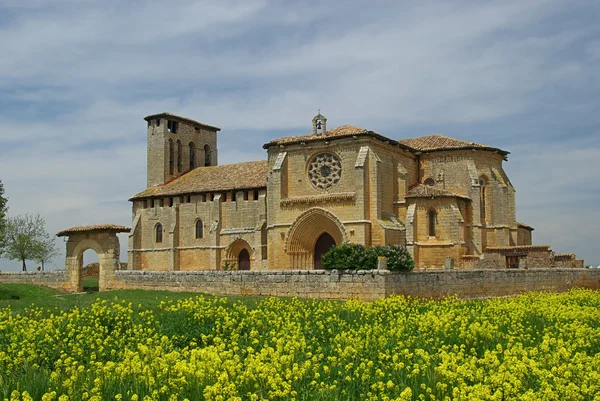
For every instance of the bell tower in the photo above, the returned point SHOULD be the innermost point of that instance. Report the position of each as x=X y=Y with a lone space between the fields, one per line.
x=177 y=145
x=319 y=124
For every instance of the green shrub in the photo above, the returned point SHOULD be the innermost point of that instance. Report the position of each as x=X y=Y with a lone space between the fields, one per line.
x=358 y=257
x=398 y=257
x=349 y=256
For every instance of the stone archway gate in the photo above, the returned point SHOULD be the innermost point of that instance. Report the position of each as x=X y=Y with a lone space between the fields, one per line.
x=103 y=240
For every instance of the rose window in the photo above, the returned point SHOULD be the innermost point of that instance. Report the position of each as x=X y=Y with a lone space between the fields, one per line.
x=325 y=170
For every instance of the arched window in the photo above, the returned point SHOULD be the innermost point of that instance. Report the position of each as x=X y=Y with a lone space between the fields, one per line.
x=482 y=198
x=159 y=233
x=431 y=216
x=171 y=156
x=179 y=157
x=199 y=229
x=207 y=155
x=192 y=156
x=429 y=182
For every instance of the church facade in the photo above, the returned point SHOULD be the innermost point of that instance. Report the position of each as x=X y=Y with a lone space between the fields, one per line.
x=437 y=196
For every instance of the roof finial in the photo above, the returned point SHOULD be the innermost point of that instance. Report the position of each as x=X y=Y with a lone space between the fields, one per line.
x=319 y=124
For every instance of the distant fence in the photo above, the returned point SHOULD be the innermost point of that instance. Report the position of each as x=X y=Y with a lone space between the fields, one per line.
x=320 y=284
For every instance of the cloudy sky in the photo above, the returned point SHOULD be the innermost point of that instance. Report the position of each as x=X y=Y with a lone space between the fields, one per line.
x=77 y=77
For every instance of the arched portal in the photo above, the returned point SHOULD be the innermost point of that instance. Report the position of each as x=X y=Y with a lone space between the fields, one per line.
x=244 y=260
x=239 y=255
x=304 y=234
x=103 y=240
x=323 y=245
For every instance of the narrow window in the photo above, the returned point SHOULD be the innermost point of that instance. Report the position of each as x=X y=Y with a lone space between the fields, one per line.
x=203 y=197
x=179 y=157
x=429 y=182
x=171 y=202
x=199 y=229
x=161 y=202
x=192 y=156
x=152 y=203
x=207 y=156
x=158 y=233
x=245 y=195
x=171 y=156
x=172 y=126
x=255 y=195
x=233 y=196
x=212 y=197
x=189 y=199
x=432 y=223
x=224 y=197
x=158 y=122
x=482 y=199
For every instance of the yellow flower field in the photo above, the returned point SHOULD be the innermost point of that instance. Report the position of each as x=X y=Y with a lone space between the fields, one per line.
x=537 y=346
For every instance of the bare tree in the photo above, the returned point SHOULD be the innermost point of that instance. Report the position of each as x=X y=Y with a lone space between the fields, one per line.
x=24 y=237
x=47 y=249
x=3 y=211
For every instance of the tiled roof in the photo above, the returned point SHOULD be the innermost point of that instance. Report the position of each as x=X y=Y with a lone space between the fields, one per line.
x=441 y=142
x=184 y=119
x=246 y=175
x=344 y=131
x=526 y=226
x=427 y=191
x=99 y=227
x=518 y=248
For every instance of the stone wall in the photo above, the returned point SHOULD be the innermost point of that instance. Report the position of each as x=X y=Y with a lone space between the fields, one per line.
x=364 y=285
x=53 y=279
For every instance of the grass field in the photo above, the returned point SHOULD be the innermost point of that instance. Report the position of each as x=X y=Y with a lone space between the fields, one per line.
x=145 y=345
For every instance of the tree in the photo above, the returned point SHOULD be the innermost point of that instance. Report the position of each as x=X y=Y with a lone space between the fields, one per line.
x=46 y=250
x=24 y=238
x=3 y=211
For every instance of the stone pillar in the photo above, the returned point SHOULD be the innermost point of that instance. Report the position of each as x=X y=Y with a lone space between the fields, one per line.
x=382 y=263
x=73 y=274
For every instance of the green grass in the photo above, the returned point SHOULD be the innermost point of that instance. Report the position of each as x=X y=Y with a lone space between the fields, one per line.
x=90 y=284
x=23 y=296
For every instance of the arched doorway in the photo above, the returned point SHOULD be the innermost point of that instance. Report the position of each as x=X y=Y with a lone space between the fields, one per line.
x=90 y=273
x=306 y=231
x=101 y=239
x=323 y=245
x=244 y=260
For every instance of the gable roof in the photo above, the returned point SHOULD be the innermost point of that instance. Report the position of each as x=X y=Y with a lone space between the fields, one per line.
x=248 y=175
x=427 y=191
x=172 y=116
x=96 y=228
x=432 y=143
x=344 y=131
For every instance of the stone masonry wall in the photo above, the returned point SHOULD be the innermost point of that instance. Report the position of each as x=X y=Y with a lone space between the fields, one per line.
x=364 y=285
x=53 y=279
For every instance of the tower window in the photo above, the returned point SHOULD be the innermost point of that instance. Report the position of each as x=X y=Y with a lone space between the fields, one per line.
x=158 y=122
x=482 y=199
x=255 y=195
x=245 y=195
x=179 y=157
x=233 y=196
x=192 y=156
x=159 y=233
x=171 y=156
x=207 y=156
x=431 y=215
x=199 y=229
x=171 y=202
x=429 y=182
x=172 y=126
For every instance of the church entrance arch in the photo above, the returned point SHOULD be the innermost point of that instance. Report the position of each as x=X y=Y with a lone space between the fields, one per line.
x=323 y=245
x=103 y=240
x=313 y=233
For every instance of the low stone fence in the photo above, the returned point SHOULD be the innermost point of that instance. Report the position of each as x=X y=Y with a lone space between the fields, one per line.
x=365 y=285
x=53 y=279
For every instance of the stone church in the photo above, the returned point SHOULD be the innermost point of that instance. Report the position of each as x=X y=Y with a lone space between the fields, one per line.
x=437 y=196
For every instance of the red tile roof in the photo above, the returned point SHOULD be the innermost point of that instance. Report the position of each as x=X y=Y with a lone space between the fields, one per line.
x=99 y=227
x=248 y=175
x=171 y=116
x=345 y=131
x=438 y=142
x=427 y=191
